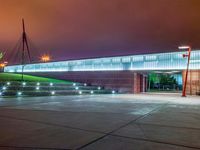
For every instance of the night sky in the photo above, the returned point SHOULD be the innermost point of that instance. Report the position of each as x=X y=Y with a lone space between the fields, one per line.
x=71 y=29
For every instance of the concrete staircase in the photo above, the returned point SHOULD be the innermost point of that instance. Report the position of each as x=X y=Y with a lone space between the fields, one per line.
x=49 y=89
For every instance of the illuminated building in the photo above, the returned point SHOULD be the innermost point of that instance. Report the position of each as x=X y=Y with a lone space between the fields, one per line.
x=118 y=67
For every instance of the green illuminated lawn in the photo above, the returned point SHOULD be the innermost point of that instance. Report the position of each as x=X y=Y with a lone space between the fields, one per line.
x=28 y=78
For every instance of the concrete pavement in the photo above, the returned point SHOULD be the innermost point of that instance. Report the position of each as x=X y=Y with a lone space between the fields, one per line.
x=135 y=122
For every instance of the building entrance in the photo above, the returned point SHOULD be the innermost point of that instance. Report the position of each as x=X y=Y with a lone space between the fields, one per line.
x=165 y=81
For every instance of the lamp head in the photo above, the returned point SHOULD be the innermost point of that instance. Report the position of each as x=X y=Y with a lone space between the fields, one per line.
x=184 y=47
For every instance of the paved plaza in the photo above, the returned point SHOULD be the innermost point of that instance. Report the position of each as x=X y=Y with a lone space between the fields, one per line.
x=101 y=122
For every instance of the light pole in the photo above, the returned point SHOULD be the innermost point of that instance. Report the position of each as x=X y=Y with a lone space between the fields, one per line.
x=189 y=49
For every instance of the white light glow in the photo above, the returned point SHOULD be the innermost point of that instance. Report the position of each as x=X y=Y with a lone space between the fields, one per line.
x=38 y=83
x=76 y=88
x=8 y=83
x=0 y=93
x=74 y=84
x=99 y=88
x=19 y=93
x=147 y=62
x=37 y=88
x=51 y=84
x=113 y=92
x=80 y=92
x=53 y=93
x=4 y=88
x=183 y=47
x=24 y=83
x=91 y=92
x=85 y=84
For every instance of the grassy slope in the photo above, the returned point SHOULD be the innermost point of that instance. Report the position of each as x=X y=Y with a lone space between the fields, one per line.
x=29 y=78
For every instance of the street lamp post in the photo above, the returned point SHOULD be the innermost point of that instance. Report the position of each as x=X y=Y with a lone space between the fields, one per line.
x=189 y=49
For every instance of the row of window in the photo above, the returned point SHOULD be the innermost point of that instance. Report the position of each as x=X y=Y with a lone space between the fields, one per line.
x=151 y=61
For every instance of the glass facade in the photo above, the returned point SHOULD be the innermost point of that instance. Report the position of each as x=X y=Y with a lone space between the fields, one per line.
x=159 y=61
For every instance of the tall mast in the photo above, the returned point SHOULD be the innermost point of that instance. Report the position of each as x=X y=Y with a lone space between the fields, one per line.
x=24 y=44
x=25 y=41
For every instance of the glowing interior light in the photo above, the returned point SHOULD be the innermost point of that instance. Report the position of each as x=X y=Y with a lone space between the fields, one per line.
x=24 y=83
x=76 y=88
x=91 y=92
x=113 y=92
x=99 y=88
x=8 y=83
x=80 y=92
x=53 y=93
x=38 y=83
x=85 y=84
x=51 y=84
x=19 y=93
x=4 y=88
x=74 y=84
x=37 y=88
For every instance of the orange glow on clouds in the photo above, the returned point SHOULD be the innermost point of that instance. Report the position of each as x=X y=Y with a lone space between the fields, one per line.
x=73 y=29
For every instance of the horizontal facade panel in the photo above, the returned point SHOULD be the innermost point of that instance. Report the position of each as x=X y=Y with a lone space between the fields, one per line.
x=160 y=61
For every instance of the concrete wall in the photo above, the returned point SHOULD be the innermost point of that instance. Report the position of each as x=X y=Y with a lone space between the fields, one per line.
x=122 y=81
x=193 y=82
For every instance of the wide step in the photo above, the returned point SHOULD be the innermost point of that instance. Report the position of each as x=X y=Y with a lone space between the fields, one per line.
x=47 y=89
